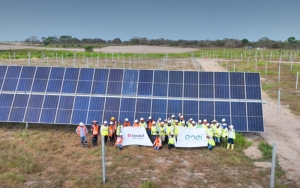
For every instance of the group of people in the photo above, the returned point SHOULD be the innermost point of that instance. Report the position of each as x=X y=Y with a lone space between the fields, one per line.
x=160 y=132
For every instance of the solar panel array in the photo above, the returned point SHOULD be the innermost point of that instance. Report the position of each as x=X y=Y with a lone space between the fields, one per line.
x=59 y=95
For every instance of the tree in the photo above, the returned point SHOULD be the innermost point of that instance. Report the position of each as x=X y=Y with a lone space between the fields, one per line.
x=117 y=41
x=291 y=40
x=32 y=40
x=230 y=44
x=89 y=48
x=245 y=41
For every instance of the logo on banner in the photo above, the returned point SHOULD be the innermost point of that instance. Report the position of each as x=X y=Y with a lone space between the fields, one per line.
x=193 y=137
x=128 y=135
x=135 y=136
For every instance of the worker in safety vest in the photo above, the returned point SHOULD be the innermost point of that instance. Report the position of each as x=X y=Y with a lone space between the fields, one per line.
x=136 y=123
x=211 y=142
x=192 y=125
x=209 y=131
x=189 y=123
x=114 y=125
x=205 y=124
x=169 y=130
x=213 y=124
x=199 y=124
x=149 y=126
x=126 y=123
x=231 y=137
x=82 y=131
x=162 y=131
x=171 y=141
x=217 y=134
x=224 y=132
x=95 y=131
x=104 y=131
x=111 y=133
x=119 y=141
x=158 y=122
x=181 y=120
x=173 y=119
x=176 y=128
x=153 y=131
x=143 y=123
x=119 y=128
x=157 y=142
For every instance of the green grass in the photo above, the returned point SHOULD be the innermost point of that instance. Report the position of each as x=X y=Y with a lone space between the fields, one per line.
x=241 y=141
x=266 y=150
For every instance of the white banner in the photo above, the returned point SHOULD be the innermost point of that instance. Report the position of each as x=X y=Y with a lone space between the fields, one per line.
x=191 y=137
x=135 y=136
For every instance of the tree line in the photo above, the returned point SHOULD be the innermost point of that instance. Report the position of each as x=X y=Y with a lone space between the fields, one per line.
x=69 y=41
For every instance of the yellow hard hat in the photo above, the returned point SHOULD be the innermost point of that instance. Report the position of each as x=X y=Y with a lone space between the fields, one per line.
x=112 y=118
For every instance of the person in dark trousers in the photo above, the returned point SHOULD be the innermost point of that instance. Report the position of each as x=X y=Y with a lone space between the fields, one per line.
x=171 y=142
x=95 y=132
x=82 y=131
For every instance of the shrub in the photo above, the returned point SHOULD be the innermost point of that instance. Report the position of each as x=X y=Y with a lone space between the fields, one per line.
x=148 y=184
x=266 y=150
x=242 y=141
x=89 y=48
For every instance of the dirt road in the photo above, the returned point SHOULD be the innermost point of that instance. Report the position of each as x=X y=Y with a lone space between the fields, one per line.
x=282 y=129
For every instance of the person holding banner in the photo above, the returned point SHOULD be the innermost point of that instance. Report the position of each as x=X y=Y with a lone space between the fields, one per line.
x=136 y=123
x=143 y=123
x=104 y=131
x=211 y=143
x=199 y=124
x=119 y=142
x=119 y=127
x=162 y=131
x=181 y=120
x=126 y=123
x=149 y=126
x=217 y=134
x=204 y=125
x=231 y=137
x=157 y=142
x=171 y=141
x=153 y=131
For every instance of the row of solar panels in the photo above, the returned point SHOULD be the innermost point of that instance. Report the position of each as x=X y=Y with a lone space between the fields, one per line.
x=153 y=83
x=246 y=116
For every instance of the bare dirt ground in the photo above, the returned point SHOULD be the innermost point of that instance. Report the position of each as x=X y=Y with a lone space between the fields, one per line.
x=109 y=49
x=282 y=129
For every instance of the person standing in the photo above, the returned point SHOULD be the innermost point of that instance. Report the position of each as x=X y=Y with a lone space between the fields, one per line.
x=114 y=125
x=169 y=130
x=104 y=131
x=126 y=123
x=143 y=123
x=231 y=137
x=119 y=128
x=111 y=133
x=176 y=128
x=181 y=120
x=119 y=141
x=162 y=131
x=153 y=131
x=95 y=131
x=136 y=123
x=157 y=142
x=82 y=131
x=149 y=126
x=171 y=141
x=173 y=119
x=199 y=124
x=224 y=133
x=217 y=134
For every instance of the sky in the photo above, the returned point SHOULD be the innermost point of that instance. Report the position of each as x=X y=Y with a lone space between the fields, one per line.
x=153 y=19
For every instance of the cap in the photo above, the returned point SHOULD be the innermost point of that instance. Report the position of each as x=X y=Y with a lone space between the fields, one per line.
x=105 y=122
x=193 y=122
x=142 y=119
x=81 y=124
x=136 y=121
x=150 y=117
x=199 y=121
x=173 y=116
x=153 y=122
x=112 y=118
x=111 y=122
x=223 y=120
x=126 y=119
x=176 y=121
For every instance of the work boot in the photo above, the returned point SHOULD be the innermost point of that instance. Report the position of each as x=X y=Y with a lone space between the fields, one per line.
x=82 y=144
x=232 y=146
x=86 y=145
x=228 y=145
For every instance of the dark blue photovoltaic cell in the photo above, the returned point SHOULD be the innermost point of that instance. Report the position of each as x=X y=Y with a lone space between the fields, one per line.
x=254 y=109
x=9 y=84
x=95 y=115
x=129 y=115
x=146 y=76
x=42 y=73
x=159 y=107
x=190 y=107
x=57 y=73
x=221 y=78
x=50 y=101
x=175 y=77
x=175 y=90
x=99 y=87
x=139 y=115
x=13 y=72
x=237 y=78
x=17 y=114
x=63 y=116
x=82 y=103
x=86 y=74
x=112 y=104
x=2 y=71
x=239 y=123
x=191 y=77
x=101 y=74
x=24 y=85
x=160 y=76
x=159 y=89
x=238 y=109
x=206 y=107
x=143 y=105
x=253 y=92
x=114 y=88
x=129 y=88
x=39 y=85
x=227 y=118
x=131 y=75
x=6 y=100
x=116 y=75
x=128 y=104
x=79 y=116
x=1 y=82
x=48 y=115
x=206 y=91
x=71 y=74
x=4 y=112
x=222 y=91
x=66 y=102
x=255 y=124
x=195 y=117
x=209 y=118
x=28 y=72
x=84 y=87
x=32 y=115
x=144 y=89
x=69 y=86
x=109 y=114
x=97 y=103
x=174 y=107
x=54 y=86
x=222 y=108
x=36 y=101
x=237 y=92
x=191 y=91
x=20 y=100
x=206 y=78
x=252 y=79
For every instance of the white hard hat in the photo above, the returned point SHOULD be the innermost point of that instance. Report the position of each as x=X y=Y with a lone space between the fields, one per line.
x=111 y=123
x=169 y=122
x=105 y=122
x=199 y=121
x=142 y=118
x=153 y=122
x=204 y=120
x=159 y=119
x=81 y=124
x=223 y=120
x=173 y=116
x=121 y=134
x=136 y=121
x=176 y=121
x=162 y=123
x=166 y=120
x=150 y=117
x=191 y=119
x=214 y=121
x=181 y=116
x=126 y=119
x=231 y=126
x=193 y=122
x=172 y=133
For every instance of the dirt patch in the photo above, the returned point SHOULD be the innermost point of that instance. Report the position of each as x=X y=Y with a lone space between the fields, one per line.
x=263 y=164
x=253 y=152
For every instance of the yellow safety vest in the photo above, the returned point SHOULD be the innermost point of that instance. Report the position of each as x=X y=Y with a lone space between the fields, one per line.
x=176 y=129
x=143 y=124
x=225 y=132
x=104 y=131
x=209 y=132
x=162 y=131
x=153 y=130
x=118 y=129
x=169 y=129
x=211 y=141
x=171 y=140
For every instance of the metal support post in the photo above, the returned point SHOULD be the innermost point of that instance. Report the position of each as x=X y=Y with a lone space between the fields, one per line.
x=103 y=160
x=278 y=103
x=273 y=166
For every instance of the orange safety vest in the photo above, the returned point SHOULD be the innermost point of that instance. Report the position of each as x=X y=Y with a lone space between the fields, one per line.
x=95 y=129
x=150 y=124
x=157 y=142
x=78 y=130
x=111 y=130
x=136 y=125
x=126 y=124
x=119 y=141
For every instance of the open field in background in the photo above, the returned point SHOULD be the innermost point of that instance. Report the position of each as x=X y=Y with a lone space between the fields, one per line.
x=51 y=156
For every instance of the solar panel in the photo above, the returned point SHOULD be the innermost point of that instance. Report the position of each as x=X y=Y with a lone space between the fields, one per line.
x=59 y=95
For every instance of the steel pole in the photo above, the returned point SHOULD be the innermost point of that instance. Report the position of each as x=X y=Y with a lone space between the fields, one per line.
x=297 y=81
x=278 y=105
x=279 y=67
x=103 y=160
x=273 y=166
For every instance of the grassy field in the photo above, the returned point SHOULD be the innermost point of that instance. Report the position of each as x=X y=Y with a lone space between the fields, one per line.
x=51 y=156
